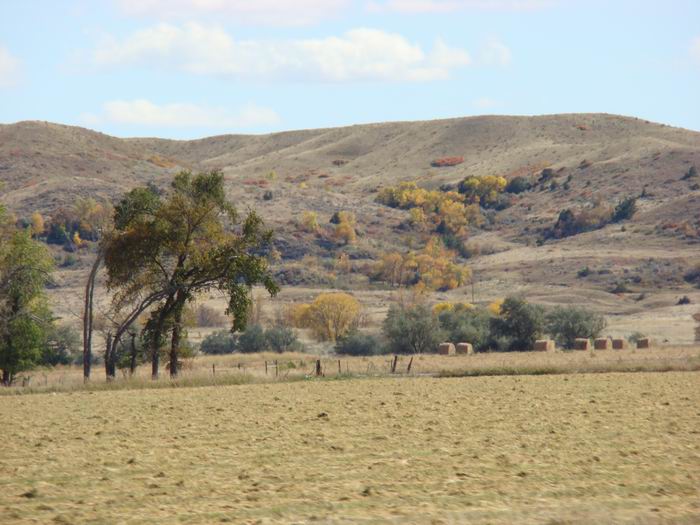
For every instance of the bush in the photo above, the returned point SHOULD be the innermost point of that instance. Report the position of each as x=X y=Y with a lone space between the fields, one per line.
x=518 y=326
x=693 y=276
x=412 y=330
x=690 y=174
x=63 y=347
x=684 y=300
x=565 y=324
x=358 y=344
x=252 y=340
x=267 y=196
x=625 y=209
x=518 y=185
x=281 y=339
x=584 y=272
x=467 y=325
x=68 y=261
x=635 y=337
x=221 y=342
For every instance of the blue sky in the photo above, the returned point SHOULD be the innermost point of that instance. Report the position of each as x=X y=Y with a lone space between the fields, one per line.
x=191 y=68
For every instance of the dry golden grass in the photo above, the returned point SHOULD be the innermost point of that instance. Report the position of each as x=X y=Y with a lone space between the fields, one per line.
x=556 y=449
x=232 y=369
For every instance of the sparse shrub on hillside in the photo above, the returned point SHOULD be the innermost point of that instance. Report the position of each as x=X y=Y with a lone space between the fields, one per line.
x=565 y=324
x=625 y=209
x=620 y=287
x=684 y=300
x=483 y=190
x=358 y=344
x=444 y=211
x=584 y=272
x=572 y=223
x=445 y=162
x=690 y=174
x=518 y=325
x=309 y=221
x=412 y=330
x=692 y=276
x=344 y=231
x=221 y=342
x=518 y=185
x=268 y=195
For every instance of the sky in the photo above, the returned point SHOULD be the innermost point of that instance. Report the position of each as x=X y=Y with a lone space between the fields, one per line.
x=193 y=68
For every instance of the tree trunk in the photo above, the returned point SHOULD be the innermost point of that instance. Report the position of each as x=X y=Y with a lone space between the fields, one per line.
x=88 y=317
x=175 y=346
x=6 y=377
x=132 y=362
x=109 y=358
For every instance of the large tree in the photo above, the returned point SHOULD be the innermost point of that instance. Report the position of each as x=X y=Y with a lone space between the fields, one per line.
x=168 y=248
x=25 y=269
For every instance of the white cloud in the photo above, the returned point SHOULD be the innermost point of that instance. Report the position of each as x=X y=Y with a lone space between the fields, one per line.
x=9 y=69
x=450 y=6
x=485 y=103
x=495 y=53
x=144 y=113
x=695 y=50
x=264 y=12
x=358 y=55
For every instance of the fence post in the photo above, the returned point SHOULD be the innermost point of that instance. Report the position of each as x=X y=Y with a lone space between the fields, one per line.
x=408 y=369
x=340 y=370
x=319 y=371
x=393 y=364
x=277 y=368
x=213 y=369
x=265 y=367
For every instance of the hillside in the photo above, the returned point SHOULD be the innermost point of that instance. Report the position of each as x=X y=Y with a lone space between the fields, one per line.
x=595 y=158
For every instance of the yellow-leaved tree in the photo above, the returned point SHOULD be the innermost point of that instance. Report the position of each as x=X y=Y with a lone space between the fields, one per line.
x=332 y=315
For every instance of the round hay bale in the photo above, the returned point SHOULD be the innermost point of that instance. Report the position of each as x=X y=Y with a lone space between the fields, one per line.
x=619 y=344
x=602 y=343
x=545 y=345
x=644 y=343
x=446 y=349
x=465 y=348
x=582 y=344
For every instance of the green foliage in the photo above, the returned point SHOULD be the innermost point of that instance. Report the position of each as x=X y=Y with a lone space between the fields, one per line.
x=63 y=346
x=281 y=339
x=358 y=344
x=57 y=234
x=518 y=326
x=252 y=340
x=625 y=209
x=25 y=268
x=219 y=342
x=169 y=248
x=518 y=185
x=635 y=337
x=467 y=325
x=565 y=324
x=412 y=329
x=584 y=272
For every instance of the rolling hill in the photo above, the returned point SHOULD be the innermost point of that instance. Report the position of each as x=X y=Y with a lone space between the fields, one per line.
x=594 y=157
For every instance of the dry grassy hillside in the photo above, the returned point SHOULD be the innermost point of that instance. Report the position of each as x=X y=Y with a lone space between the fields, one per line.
x=595 y=157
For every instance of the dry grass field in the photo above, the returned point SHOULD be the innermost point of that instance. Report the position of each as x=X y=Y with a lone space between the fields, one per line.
x=267 y=367
x=548 y=449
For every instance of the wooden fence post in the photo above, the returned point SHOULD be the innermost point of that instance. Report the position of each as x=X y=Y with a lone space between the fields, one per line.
x=408 y=368
x=213 y=369
x=319 y=371
x=393 y=364
x=277 y=368
x=340 y=370
x=265 y=367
